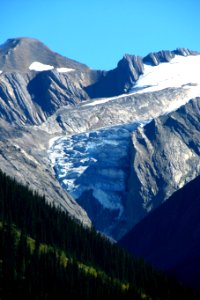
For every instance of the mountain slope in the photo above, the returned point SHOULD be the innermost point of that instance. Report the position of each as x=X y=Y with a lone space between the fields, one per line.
x=18 y=54
x=165 y=156
x=41 y=258
x=169 y=236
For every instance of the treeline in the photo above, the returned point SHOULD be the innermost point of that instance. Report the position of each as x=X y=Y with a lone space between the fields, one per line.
x=27 y=271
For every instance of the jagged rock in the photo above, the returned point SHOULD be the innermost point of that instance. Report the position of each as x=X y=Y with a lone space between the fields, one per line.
x=159 y=57
x=119 y=80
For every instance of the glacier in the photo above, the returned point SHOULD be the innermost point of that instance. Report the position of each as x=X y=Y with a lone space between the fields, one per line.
x=97 y=162
x=94 y=164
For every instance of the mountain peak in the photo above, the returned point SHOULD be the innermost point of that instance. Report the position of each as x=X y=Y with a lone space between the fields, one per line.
x=19 y=53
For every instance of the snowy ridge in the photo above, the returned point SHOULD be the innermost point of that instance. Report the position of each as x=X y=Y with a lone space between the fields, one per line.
x=180 y=71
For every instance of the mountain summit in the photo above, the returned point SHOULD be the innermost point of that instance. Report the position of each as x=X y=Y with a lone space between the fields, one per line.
x=19 y=53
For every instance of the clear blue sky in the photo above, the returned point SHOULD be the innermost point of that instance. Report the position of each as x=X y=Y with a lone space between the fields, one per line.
x=99 y=33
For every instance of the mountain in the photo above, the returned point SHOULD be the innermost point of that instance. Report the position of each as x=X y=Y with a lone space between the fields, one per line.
x=169 y=236
x=107 y=170
x=34 y=94
x=46 y=254
x=19 y=54
x=34 y=83
x=67 y=130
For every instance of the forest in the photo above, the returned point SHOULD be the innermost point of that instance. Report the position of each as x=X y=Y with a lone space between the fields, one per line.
x=45 y=254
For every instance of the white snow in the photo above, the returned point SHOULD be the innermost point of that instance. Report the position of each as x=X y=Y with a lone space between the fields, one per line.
x=65 y=70
x=38 y=66
x=1 y=72
x=104 y=100
x=53 y=140
x=181 y=70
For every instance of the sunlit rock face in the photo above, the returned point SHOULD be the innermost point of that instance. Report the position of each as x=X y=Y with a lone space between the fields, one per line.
x=165 y=156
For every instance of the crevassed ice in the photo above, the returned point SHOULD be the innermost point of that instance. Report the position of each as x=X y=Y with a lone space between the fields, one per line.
x=38 y=66
x=94 y=161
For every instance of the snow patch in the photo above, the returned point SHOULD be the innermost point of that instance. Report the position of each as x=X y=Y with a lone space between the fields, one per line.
x=1 y=72
x=65 y=70
x=37 y=66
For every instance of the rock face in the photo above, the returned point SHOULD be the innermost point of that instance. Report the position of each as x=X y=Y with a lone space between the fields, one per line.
x=169 y=236
x=27 y=98
x=166 y=56
x=119 y=80
x=23 y=156
x=165 y=156
x=19 y=53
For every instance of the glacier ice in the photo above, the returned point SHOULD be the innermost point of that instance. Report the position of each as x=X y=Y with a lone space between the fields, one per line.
x=96 y=161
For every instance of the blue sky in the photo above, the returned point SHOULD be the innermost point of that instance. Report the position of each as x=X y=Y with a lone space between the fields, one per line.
x=99 y=33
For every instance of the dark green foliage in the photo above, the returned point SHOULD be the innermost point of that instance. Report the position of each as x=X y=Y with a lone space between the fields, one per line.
x=31 y=274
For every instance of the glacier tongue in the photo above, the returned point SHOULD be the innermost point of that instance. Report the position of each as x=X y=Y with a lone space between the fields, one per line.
x=95 y=162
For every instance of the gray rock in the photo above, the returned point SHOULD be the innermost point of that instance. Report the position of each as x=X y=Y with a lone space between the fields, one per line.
x=18 y=54
x=23 y=155
x=165 y=156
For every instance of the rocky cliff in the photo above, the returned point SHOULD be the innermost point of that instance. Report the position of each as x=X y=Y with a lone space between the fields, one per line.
x=165 y=156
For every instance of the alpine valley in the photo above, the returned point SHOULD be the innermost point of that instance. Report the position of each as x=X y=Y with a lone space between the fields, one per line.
x=108 y=147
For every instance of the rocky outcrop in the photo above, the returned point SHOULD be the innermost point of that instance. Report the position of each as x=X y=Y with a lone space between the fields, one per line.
x=27 y=98
x=119 y=80
x=156 y=58
x=165 y=156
